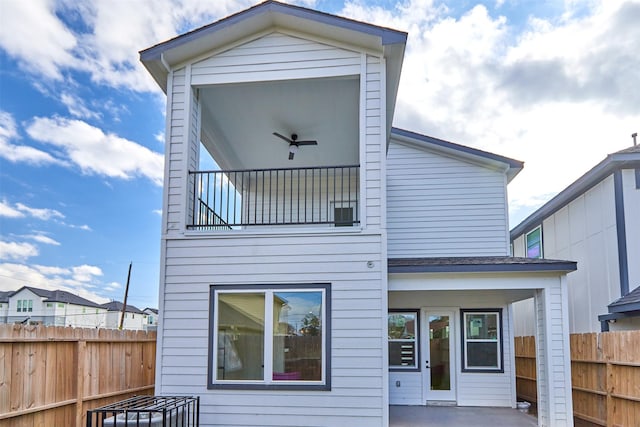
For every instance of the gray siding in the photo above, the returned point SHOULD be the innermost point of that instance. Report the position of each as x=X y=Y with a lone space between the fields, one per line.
x=442 y=206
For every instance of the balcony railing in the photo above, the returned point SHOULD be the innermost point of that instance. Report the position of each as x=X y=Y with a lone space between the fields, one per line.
x=234 y=199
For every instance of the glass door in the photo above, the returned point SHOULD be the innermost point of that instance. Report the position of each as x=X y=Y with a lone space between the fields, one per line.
x=438 y=370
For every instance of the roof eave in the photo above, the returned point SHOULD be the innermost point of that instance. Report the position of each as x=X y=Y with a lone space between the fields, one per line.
x=270 y=14
x=596 y=174
x=511 y=167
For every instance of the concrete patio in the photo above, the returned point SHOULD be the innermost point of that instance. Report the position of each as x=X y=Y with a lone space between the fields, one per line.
x=454 y=416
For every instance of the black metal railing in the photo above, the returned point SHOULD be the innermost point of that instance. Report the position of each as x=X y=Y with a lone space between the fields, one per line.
x=231 y=199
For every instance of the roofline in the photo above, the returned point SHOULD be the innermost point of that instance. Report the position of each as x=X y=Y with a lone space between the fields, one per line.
x=515 y=165
x=606 y=167
x=471 y=267
x=387 y=35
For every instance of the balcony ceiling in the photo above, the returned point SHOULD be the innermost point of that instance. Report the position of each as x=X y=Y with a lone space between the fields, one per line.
x=238 y=122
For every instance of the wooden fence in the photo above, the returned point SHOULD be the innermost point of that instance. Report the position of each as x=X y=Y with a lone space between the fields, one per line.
x=605 y=377
x=51 y=376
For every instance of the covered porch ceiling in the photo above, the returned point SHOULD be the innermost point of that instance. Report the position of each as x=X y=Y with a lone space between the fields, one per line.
x=238 y=122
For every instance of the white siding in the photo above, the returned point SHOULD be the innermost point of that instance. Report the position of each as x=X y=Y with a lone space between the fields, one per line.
x=472 y=389
x=584 y=231
x=356 y=336
x=374 y=123
x=276 y=56
x=176 y=181
x=441 y=206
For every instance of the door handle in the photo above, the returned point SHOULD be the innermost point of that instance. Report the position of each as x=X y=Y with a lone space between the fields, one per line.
x=426 y=364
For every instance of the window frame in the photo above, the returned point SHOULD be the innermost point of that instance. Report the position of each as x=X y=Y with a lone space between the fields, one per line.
x=267 y=383
x=499 y=342
x=526 y=243
x=416 y=340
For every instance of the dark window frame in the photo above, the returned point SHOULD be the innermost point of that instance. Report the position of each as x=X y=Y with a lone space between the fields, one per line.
x=395 y=368
x=463 y=333
x=212 y=384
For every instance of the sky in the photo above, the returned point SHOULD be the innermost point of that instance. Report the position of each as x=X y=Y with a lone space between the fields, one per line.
x=552 y=83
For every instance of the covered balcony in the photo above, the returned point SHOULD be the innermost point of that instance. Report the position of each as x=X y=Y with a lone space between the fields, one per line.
x=277 y=153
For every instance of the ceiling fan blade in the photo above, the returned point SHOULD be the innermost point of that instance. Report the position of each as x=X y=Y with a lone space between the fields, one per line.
x=290 y=141
x=306 y=142
x=291 y=156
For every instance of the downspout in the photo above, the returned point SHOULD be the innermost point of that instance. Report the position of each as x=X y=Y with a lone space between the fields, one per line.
x=623 y=265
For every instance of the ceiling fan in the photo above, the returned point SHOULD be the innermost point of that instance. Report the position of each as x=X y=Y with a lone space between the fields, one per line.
x=294 y=143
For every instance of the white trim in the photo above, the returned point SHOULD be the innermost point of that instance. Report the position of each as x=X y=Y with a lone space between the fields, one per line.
x=498 y=341
x=425 y=351
x=512 y=358
x=362 y=144
x=188 y=95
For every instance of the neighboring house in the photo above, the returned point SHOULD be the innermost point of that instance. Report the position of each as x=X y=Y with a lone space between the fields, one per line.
x=152 y=319
x=59 y=308
x=332 y=265
x=594 y=221
x=134 y=318
x=4 y=305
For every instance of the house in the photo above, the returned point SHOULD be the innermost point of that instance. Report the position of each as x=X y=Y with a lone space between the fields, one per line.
x=4 y=305
x=341 y=265
x=152 y=319
x=595 y=222
x=58 y=308
x=134 y=318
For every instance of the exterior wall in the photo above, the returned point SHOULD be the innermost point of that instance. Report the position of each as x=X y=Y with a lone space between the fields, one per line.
x=583 y=231
x=192 y=261
x=472 y=389
x=37 y=314
x=441 y=206
x=357 y=367
x=631 y=196
x=135 y=321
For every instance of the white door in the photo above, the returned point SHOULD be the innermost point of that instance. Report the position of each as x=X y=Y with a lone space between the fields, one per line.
x=438 y=348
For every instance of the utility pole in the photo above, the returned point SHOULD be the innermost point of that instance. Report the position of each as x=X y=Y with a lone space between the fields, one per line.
x=126 y=293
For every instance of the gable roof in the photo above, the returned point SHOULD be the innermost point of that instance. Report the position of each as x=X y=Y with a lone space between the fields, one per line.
x=117 y=306
x=58 y=296
x=624 y=159
x=269 y=14
x=510 y=166
x=629 y=302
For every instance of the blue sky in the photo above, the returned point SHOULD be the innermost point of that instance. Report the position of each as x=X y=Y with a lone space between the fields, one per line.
x=552 y=83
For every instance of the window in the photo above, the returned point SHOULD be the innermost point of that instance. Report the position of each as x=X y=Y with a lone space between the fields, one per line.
x=482 y=340
x=49 y=305
x=269 y=336
x=25 y=305
x=60 y=305
x=402 y=328
x=534 y=243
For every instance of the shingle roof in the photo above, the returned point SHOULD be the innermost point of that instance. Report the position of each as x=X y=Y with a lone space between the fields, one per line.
x=4 y=296
x=629 y=302
x=154 y=310
x=117 y=306
x=477 y=264
x=59 y=296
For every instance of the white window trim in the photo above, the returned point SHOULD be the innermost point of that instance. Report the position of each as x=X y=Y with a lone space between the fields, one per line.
x=526 y=246
x=267 y=382
x=415 y=340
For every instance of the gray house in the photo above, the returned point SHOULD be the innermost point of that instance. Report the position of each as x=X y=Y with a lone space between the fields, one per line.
x=330 y=265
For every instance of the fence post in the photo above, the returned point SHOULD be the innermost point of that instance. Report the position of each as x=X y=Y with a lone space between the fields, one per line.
x=80 y=352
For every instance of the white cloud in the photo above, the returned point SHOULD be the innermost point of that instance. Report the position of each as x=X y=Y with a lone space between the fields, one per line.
x=41 y=238
x=19 y=153
x=44 y=214
x=77 y=107
x=96 y=152
x=157 y=212
x=8 y=211
x=560 y=95
x=17 y=251
x=31 y=32
x=85 y=273
x=20 y=210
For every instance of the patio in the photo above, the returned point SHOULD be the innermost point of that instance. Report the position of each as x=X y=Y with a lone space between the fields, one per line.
x=452 y=416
